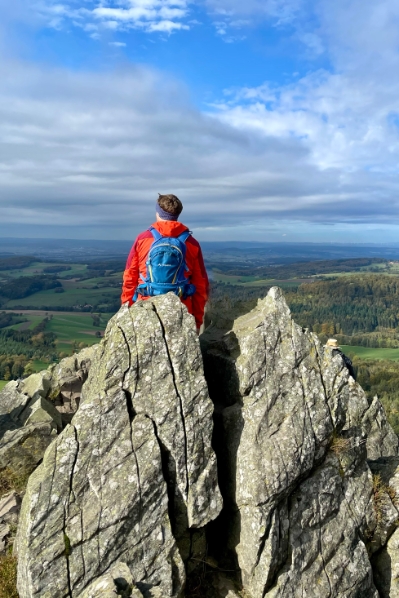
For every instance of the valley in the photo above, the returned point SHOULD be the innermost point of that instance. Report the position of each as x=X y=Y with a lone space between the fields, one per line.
x=51 y=309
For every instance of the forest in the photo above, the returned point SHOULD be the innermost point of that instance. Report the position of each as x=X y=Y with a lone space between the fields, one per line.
x=378 y=377
x=19 y=347
x=17 y=262
x=296 y=269
x=18 y=288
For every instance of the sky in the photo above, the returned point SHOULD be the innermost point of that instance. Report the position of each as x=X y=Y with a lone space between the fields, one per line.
x=273 y=120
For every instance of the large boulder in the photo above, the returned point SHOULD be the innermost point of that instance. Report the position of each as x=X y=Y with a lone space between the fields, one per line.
x=133 y=478
x=67 y=379
x=292 y=429
x=50 y=395
x=22 y=450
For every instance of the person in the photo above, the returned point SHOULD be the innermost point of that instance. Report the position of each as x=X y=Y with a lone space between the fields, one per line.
x=195 y=289
x=332 y=343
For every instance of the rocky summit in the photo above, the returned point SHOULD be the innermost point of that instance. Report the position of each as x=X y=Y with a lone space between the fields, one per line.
x=257 y=468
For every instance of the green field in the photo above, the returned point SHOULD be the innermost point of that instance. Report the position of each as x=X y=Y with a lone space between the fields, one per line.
x=32 y=322
x=253 y=281
x=38 y=365
x=72 y=298
x=370 y=353
x=72 y=331
x=2 y=384
x=38 y=267
x=78 y=329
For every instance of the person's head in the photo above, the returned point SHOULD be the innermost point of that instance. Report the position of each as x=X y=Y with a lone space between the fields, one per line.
x=168 y=207
x=333 y=343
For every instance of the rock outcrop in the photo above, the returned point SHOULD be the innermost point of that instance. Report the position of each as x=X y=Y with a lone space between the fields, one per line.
x=292 y=435
x=385 y=543
x=33 y=411
x=133 y=478
x=52 y=395
x=126 y=501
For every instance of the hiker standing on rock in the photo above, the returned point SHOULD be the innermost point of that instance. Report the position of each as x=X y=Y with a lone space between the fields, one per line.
x=167 y=258
x=332 y=343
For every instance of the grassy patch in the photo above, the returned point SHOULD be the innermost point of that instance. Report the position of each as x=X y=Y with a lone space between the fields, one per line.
x=381 y=493
x=32 y=322
x=3 y=383
x=8 y=576
x=340 y=446
x=10 y=481
x=372 y=353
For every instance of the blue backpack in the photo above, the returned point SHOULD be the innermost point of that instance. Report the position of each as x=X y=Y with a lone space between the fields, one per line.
x=166 y=265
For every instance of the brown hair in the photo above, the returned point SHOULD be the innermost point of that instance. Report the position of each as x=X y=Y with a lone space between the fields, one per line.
x=171 y=204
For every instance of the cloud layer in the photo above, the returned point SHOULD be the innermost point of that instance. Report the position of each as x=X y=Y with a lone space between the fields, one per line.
x=93 y=149
x=163 y=16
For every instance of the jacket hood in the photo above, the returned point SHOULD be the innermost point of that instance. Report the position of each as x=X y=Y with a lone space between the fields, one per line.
x=169 y=228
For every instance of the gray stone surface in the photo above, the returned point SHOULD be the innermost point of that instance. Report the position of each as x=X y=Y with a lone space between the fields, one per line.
x=43 y=410
x=135 y=465
x=21 y=450
x=327 y=518
x=10 y=505
x=381 y=439
x=12 y=404
x=385 y=542
x=52 y=395
x=291 y=446
x=67 y=379
x=117 y=581
x=386 y=568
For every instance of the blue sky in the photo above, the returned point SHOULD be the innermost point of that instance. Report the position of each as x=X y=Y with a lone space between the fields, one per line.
x=271 y=119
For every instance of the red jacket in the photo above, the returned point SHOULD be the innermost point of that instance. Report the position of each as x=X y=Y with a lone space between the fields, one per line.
x=135 y=266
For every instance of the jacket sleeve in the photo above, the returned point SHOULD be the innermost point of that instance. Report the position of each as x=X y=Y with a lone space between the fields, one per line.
x=199 y=278
x=130 y=276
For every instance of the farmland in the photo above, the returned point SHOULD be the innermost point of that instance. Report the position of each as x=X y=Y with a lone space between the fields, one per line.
x=371 y=353
x=78 y=287
x=355 y=300
x=70 y=329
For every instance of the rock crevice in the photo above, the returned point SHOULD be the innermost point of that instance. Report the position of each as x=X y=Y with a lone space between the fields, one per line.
x=127 y=502
x=293 y=431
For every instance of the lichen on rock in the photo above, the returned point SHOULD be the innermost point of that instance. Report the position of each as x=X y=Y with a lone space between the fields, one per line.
x=298 y=514
x=134 y=475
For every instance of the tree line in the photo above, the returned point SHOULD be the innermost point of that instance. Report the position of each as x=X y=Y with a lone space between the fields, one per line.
x=294 y=270
x=24 y=286
x=19 y=347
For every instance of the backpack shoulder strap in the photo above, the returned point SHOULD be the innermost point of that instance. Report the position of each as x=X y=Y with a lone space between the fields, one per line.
x=184 y=236
x=157 y=235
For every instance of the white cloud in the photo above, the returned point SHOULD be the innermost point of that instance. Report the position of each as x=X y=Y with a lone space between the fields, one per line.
x=283 y=10
x=118 y=44
x=346 y=117
x=233 y=15
x=149 y=15
x=85 y=149
x=91 y=149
